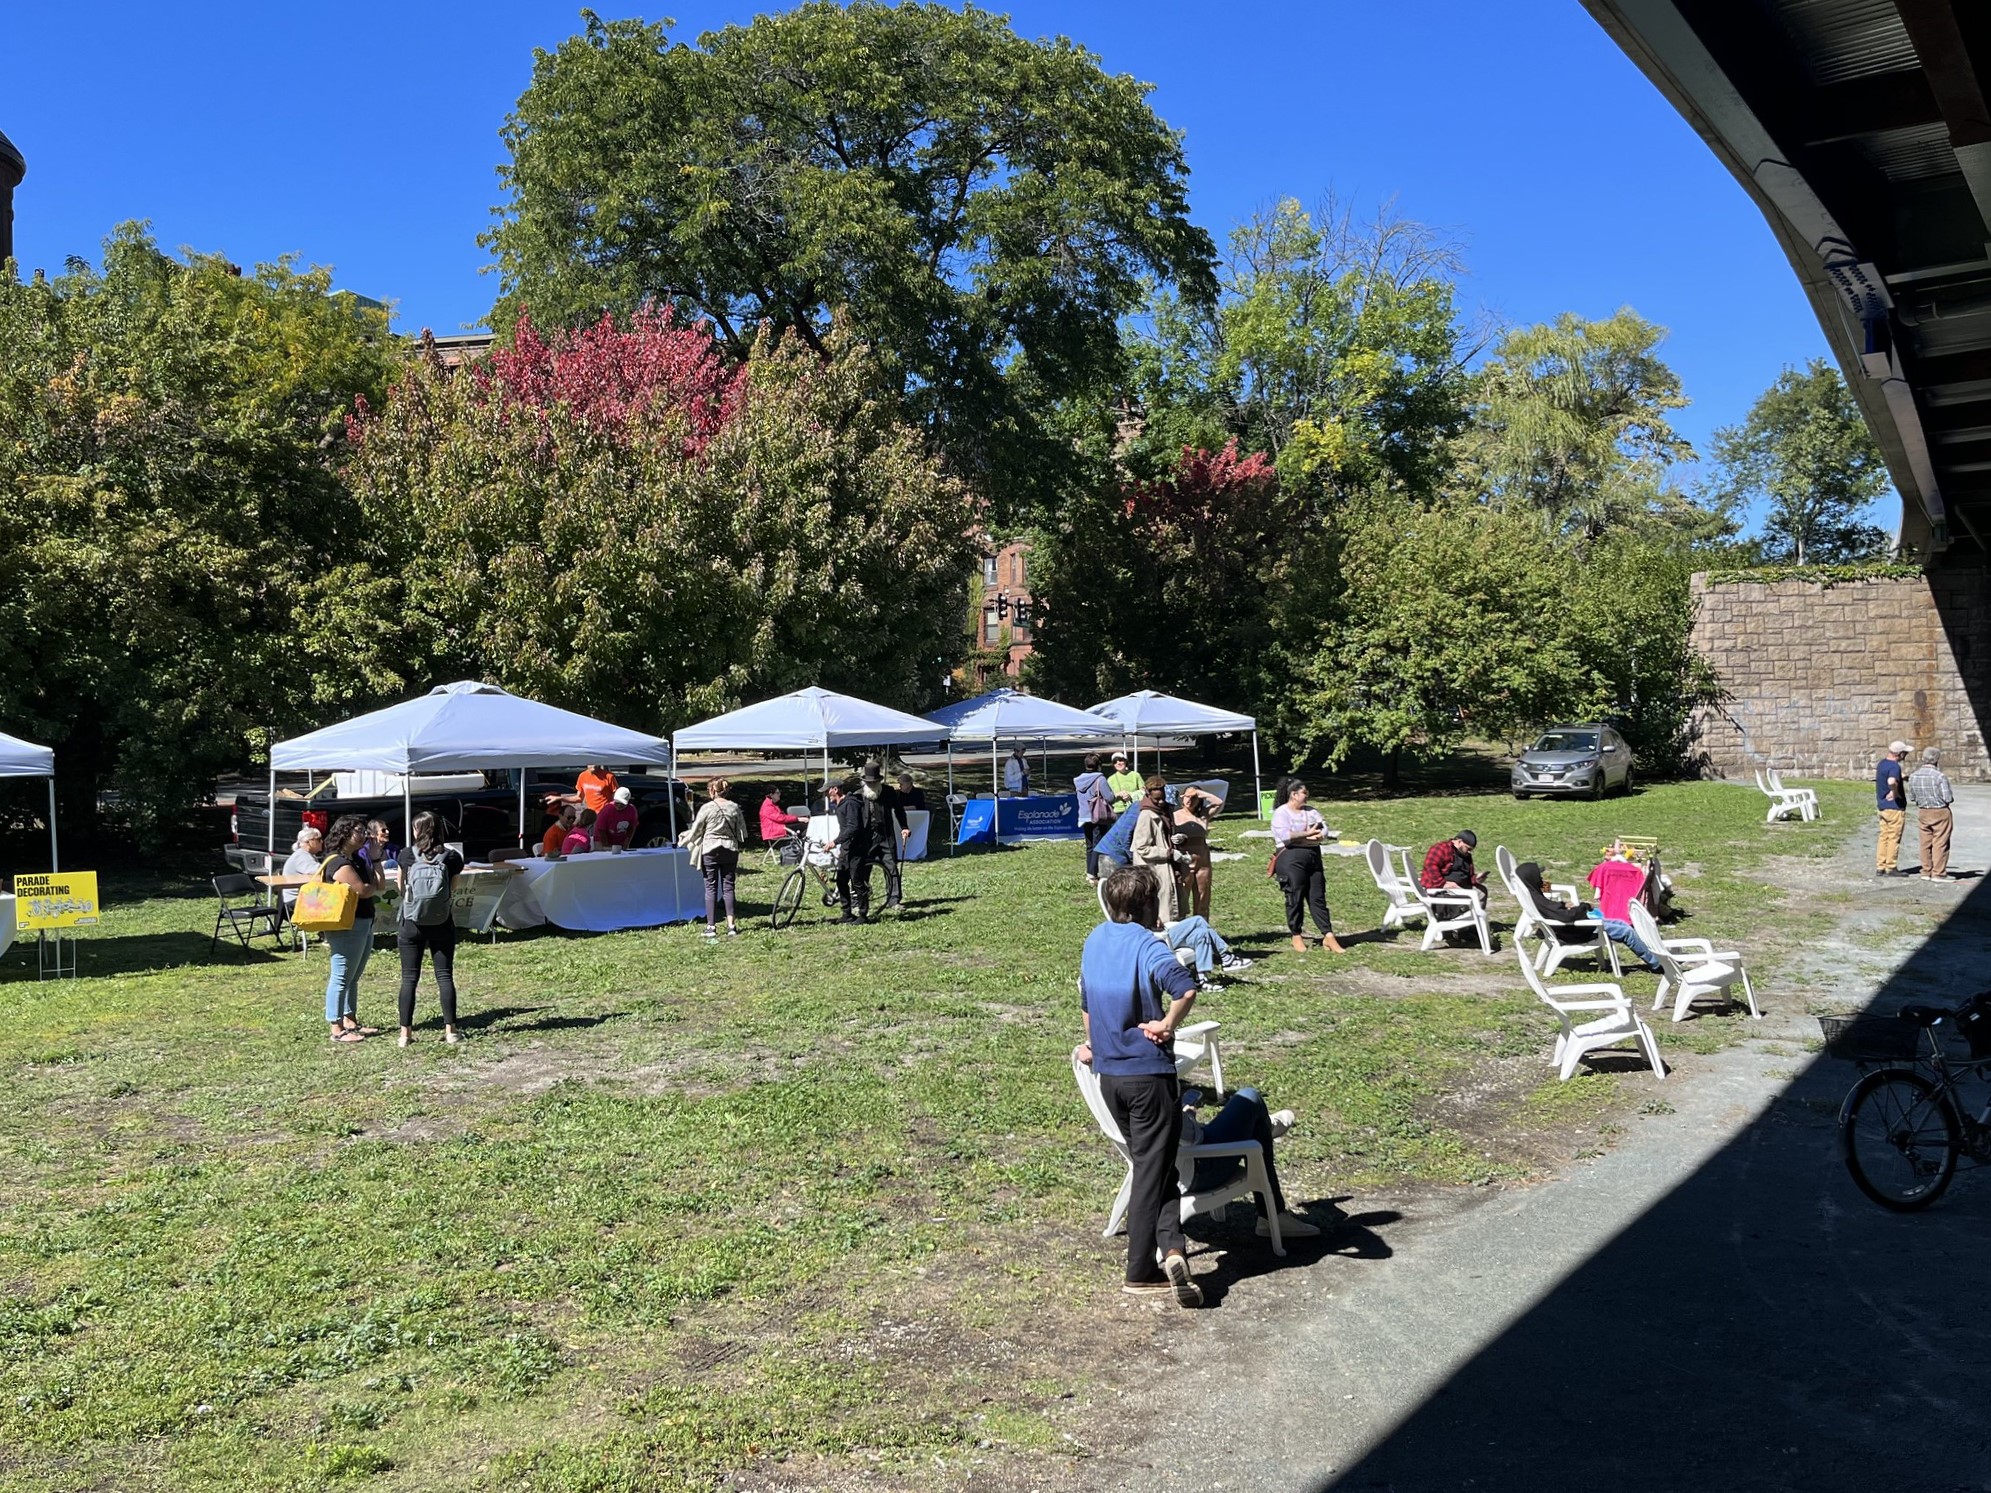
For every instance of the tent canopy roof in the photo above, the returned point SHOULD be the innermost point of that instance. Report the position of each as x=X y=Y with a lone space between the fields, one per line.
x=465 y=727
x=23 y=759
x=1011 y=715
x=1150 y=713
x=809 y=719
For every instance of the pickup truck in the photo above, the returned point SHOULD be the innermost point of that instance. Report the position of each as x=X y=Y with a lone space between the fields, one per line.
x=483 y=818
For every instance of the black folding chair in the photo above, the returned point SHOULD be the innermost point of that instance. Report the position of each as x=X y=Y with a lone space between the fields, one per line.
x=244 y=921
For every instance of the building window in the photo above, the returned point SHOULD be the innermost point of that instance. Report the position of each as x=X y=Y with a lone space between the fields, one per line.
x=991 y=626
x=989 y=571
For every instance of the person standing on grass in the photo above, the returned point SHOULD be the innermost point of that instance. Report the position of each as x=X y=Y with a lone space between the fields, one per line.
x=1929 y=790
x=714 y=842
x=1891 y=802
x=859 y=824
x=429 y=870
x=351 y=948
x=1127 y=786
x=895 y=830
x=1154 y=846
x=1133 y=994
x=1095 y=812
x=1298 y=832
x=1016 y=773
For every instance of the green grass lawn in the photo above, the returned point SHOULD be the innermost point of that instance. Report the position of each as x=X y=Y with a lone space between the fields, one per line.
x=677 y=1209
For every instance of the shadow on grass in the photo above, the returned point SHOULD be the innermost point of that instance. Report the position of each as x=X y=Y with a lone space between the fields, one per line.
x=136 y=953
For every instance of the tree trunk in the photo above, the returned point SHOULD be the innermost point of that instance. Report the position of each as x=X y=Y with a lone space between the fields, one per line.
x=1393 y=768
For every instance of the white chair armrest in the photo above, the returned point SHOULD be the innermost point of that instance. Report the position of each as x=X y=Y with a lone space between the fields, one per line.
x=1687 y=945
x=1197 y=1028
x=1566 y=888
x=1559 y=991
x=1620 y=1004
x=1208 y=1150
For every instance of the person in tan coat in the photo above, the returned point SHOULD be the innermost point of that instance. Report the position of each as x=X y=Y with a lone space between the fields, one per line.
x=1154 y=845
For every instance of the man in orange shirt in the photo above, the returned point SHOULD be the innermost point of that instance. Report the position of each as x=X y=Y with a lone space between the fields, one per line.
x=595 y=787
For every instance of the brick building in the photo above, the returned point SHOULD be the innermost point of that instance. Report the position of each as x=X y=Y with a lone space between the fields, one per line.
x=1002 y=620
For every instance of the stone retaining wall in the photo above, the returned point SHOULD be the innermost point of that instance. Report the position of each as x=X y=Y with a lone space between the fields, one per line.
x=1820 y=678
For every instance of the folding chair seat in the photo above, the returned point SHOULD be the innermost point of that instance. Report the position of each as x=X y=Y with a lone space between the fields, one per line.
x=244 y=920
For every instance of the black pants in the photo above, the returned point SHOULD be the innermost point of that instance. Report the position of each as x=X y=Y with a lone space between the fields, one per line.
x=1299 y=871
x=1094 y=833
x=888 y=859
x=440 y=941
x=853 y=881
x=1148 y=1109
x=720 y=867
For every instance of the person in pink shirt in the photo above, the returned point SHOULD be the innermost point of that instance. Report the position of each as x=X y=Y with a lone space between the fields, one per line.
x=581 y=838
x=776 y=823
x=1617 y=880
x=616 y=824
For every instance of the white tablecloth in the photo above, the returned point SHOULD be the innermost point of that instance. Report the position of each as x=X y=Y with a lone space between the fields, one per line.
x=822 y=830
x=601 y=892
x=6 y=921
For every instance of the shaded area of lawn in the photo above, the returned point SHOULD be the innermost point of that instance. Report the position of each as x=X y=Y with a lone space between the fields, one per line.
x=680 y=1208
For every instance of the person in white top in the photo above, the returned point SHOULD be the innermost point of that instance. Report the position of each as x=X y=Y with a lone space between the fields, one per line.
x=1016 y=772
x=307 y=853
x=1298 y=831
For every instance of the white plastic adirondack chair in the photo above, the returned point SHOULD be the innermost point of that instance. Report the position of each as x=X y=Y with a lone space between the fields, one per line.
x=1692 y=969
x=1254 y=1179
x=1558 y=940
x=1403 y=904
x=1617 y=1019
x=1448 y=911
x=1194 y=1040
x=1785 y=802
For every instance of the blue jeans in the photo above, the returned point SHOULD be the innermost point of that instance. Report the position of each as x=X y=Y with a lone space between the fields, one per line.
x=350 y=951
x=1197 y=935
x=1622 y=932
x=1243 y=1117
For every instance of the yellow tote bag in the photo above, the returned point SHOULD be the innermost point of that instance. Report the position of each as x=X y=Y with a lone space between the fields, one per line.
x=325 y=906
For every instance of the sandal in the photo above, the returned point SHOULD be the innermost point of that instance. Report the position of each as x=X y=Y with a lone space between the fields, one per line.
x=347 y=1035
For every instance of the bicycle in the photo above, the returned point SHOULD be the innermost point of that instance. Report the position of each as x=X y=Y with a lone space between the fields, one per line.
x=809 y=859
x=1905 y=1124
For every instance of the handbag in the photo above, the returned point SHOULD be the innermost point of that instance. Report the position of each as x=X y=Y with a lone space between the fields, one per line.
x=324 y=905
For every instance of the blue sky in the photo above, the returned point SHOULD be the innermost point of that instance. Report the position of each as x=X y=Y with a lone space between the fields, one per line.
x=365 y=137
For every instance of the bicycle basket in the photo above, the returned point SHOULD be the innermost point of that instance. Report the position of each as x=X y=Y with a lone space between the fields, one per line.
x=1871 y=1039
x=1973 y=1023
x=789 y=851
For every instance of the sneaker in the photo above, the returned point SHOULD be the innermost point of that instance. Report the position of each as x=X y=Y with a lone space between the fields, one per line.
x=732 y=932
x=1282 y=1121
x=1234 y=961
x=847 y=918
x=1162 y=1287
x=1207 y=983
x=710 y=932
x=1187 y=1292
x=1291 y=1226
x=452 y=1036
x=890 y=903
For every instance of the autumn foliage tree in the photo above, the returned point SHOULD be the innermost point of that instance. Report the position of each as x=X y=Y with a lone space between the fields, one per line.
x=626 y=520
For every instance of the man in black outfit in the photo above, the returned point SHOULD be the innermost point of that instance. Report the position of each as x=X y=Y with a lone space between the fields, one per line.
x=859 y=823
x=893 y=831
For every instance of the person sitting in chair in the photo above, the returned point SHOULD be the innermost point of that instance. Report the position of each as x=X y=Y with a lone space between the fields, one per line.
x=1581 y=917
x=1211 y=952
x=776 y=823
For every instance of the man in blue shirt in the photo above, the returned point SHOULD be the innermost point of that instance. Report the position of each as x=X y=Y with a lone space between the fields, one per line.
x=1134 y=994
x=1892 y=803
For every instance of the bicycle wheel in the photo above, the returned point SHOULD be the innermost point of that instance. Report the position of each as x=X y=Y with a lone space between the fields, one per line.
x=1900 y=1136
x=787 y=898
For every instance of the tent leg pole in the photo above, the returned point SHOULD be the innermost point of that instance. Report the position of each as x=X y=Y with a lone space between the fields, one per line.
x=270 y=828
x=407 y=810
x=670 y=790
x=995 y=786
x=1257 y=787
x=521 y=808
x=953 y=829
x=54 y=851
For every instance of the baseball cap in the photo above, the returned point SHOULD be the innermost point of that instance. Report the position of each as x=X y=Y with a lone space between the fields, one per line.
x=1899 y=746
x=1471 y=840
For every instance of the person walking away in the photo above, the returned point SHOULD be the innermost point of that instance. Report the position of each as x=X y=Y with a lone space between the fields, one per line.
x=1127 y=786
x=1554 y=910
x=351 y=948
x=615 y=826
x=894 y=830
x=1891 y=803
x=1298 y=832
x=1133 y=994
x=1016 y=773
x=1095 y=812
x=1154 y=846
x=1929 y=790
x=713 y=842
x=1193 y=811
x=858 y=828
x=429 y=870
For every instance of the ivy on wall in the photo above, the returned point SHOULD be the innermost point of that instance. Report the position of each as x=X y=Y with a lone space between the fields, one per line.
x=1825 y=576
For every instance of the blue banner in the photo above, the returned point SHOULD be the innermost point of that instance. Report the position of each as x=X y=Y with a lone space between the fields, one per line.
x=1049 y=816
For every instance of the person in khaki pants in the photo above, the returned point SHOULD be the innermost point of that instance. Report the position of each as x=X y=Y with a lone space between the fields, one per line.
x=1892 y=803
x=1929 y=791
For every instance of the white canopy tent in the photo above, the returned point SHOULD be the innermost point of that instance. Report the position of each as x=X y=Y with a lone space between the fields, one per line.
x=806 y=720
x=463 y=727
x=1150 y=713
x=1010 y=715
x=23 y=759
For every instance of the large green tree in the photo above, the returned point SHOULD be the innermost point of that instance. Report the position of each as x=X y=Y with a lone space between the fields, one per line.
x=624 y=521
x=984 y=208
x=1806 y=455
x=169 y=432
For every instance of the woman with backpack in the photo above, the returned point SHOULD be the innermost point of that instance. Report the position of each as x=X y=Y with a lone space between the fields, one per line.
x=429 y=870
x=1095 y=812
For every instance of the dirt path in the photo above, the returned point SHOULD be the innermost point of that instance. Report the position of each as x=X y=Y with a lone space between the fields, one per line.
x=1709 y=1302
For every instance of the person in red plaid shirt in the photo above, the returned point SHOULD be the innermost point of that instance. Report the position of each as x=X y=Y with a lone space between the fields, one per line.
x=1448 y=866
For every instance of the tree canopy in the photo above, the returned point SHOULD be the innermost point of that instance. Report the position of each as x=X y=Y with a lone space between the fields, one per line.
x=982 y=207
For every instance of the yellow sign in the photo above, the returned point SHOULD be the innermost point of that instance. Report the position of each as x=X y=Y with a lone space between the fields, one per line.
x=65 y=901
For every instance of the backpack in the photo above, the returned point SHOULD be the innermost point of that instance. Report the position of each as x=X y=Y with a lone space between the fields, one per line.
x=425 y=898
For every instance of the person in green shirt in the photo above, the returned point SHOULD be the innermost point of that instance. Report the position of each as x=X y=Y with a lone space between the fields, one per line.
x=1126 y=786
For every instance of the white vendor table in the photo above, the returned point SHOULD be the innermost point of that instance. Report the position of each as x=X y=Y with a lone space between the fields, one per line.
x=601 y=892
x=6 y=921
